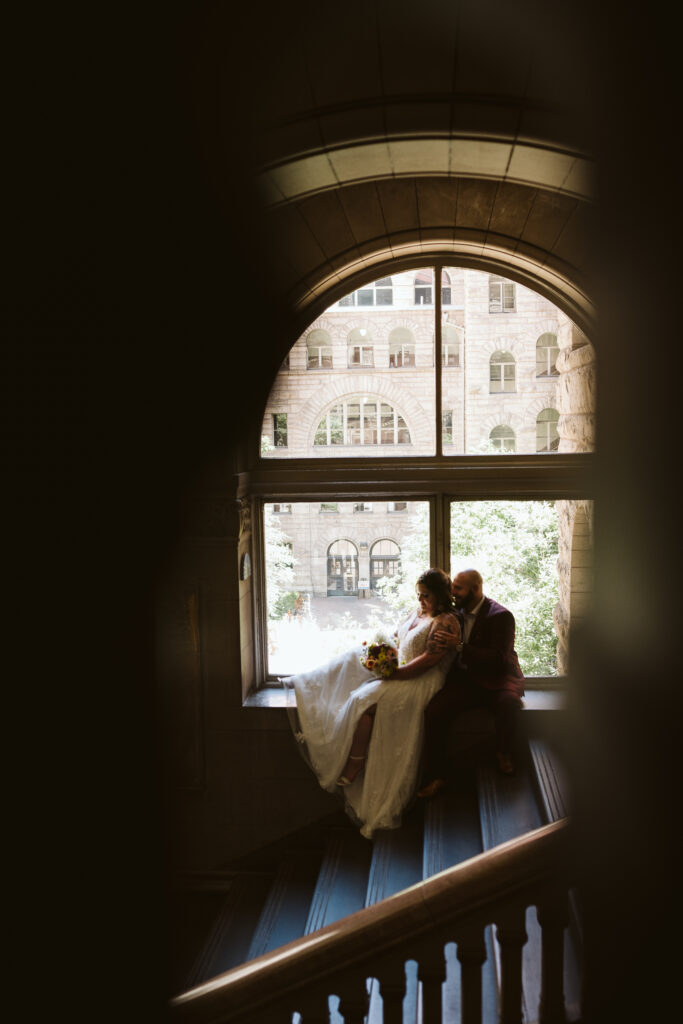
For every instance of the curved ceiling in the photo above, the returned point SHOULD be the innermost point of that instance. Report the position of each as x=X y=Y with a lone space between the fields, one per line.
x=383 y=130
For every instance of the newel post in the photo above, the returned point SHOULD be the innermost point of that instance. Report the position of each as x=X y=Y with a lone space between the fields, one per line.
x=471 y=954
x=553 y=917
x=511 y=935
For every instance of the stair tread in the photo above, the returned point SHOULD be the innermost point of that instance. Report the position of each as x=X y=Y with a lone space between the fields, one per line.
x=342 y=883
x=227 y=944
x=285 y=912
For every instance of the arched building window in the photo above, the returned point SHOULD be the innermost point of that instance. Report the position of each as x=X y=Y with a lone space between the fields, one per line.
x=385 y=561
x=362 y=420
x=547 y=436
x=360 y=347
x=503 y=439
x=378 y=293
x=401 y=348
x=342 y=569
x=501 y=372
x=318 y=350
x=501 y=295
x=547 y=351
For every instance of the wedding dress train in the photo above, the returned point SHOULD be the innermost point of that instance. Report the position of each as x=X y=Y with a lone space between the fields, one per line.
x=331 y=698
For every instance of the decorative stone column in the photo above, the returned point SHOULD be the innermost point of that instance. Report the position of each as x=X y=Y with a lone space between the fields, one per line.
x=576 y=405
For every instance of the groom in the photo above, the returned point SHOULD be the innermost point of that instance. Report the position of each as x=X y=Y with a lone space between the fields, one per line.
x=485 y=673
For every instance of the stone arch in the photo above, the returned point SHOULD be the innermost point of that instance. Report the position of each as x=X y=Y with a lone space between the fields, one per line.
x=502 y=343
x=419 y=423
x=505 y=418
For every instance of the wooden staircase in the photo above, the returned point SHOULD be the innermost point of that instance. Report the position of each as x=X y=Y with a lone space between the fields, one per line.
x=324 y=873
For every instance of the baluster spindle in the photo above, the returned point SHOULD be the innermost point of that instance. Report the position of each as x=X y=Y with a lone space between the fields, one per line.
x=553 y=917
x=511 y=935
x=432 y=974
x=471 y=954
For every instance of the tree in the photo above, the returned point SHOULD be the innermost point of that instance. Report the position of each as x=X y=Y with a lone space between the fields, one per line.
x=279 y=566
x=514 y=545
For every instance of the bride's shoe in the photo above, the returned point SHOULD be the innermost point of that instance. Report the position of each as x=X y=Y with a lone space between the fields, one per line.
x=343 y=780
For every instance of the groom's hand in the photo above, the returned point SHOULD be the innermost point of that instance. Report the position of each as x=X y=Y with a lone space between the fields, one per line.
x=445 y=639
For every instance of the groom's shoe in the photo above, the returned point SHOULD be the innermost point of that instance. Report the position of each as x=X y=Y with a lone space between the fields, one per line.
x=431 y=789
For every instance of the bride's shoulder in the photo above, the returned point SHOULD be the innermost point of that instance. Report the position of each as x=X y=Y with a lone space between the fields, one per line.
x=447 y=621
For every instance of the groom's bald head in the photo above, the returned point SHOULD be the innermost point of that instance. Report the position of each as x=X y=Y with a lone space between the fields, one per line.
x=467 y=589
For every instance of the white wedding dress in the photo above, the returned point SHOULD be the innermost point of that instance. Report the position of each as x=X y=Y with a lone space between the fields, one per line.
x=330 y=700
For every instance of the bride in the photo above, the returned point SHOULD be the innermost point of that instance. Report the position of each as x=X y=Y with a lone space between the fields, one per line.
x=363 y=735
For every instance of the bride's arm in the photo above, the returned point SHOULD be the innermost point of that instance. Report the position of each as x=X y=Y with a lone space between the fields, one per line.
x=434 y=652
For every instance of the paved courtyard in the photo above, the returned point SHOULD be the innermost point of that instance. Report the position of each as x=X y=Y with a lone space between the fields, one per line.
x=329 y=626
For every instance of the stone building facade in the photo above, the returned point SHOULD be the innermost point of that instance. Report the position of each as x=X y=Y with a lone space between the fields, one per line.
x=516 y=376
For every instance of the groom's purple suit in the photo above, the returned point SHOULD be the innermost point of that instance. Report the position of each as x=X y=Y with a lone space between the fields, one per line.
x=487 y=674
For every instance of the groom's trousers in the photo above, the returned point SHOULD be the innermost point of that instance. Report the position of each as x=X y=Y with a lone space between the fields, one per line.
x=457 y=695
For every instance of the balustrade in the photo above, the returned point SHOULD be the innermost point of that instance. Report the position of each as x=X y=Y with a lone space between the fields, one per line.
x=493 y=889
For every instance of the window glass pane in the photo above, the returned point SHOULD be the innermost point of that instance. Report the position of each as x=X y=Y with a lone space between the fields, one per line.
x=514 y=545
x=390 y=349
x=321 y=604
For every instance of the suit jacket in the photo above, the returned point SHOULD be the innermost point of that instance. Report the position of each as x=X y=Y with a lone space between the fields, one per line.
x=489 y=658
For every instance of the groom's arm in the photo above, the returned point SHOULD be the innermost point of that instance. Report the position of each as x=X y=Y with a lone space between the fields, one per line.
x=434 y=651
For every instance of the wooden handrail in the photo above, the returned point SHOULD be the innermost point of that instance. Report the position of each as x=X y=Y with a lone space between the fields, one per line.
x=449 y=906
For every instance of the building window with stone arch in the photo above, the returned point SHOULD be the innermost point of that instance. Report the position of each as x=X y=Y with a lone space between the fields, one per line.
x=450 y=345
x=503 y=439
x=401 y=348
x=502 y=373
x=362 y=420
x=547 y=435
x=318 y=350
x=342 y=569
x=385 y=561
x=377 y=293
x=501 y=295
x=547 y=351
x=360 y=347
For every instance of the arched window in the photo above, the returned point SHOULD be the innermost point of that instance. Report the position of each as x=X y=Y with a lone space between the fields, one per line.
x=423 y=285
x=401 y=348
x=319 y=350
x=503 y=439
x=360 y=347
x=342 y=569
x=501 y=295
x=450 y=345
x=362 y=420
x=377 y=293
x=547 y=436
x=385 y=561
x=501 y=372
x=547 y=351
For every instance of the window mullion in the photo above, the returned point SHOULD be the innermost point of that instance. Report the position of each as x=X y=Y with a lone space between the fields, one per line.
x=437 y=359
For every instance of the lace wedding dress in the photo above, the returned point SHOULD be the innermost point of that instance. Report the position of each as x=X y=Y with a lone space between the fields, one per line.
x=330 y=700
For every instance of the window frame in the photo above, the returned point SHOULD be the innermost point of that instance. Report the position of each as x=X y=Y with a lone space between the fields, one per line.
x=438 y=479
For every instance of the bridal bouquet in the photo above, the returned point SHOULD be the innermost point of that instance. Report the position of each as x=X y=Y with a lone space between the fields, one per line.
x=380 y=657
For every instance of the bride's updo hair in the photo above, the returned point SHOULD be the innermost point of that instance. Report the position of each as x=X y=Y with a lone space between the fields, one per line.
x=438 y=583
